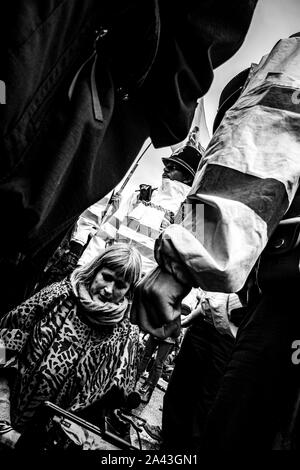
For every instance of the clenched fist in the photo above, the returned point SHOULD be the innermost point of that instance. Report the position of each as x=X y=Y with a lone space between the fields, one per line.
x=157 y=304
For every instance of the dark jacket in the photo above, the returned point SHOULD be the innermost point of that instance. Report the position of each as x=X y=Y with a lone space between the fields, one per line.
x=68 y=139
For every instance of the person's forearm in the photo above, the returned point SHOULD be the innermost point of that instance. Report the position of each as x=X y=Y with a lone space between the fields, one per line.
x=248 y=178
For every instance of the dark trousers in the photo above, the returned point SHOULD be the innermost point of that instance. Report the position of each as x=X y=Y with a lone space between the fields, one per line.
x=163 y=350
x=257 y=397
x=193 y=386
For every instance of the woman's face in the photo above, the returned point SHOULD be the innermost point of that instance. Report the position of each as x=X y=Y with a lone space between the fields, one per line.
x=108 y=287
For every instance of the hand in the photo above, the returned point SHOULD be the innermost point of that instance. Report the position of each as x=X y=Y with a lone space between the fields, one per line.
x=187 y=321
x=164 y=224
x=157 y=303
x=10 y=438
x=116 y=199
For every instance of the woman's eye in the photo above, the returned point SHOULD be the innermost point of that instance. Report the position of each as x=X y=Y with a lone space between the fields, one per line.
x=120 y=285
x=107 y=277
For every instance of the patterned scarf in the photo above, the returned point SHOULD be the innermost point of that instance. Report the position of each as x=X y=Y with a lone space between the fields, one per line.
x=99 y=313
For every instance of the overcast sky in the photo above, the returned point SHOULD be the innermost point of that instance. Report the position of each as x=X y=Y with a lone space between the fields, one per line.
x=273 y=20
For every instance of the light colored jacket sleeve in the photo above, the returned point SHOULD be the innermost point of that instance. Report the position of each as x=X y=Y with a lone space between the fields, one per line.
x=217 y=306
x=246 y=183
x=84 y=228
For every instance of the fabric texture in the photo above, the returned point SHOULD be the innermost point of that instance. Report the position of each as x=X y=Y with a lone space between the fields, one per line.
x=99 y=313
x=216 y=308
x=258 y=396
x=89 y=135
x=193 y=385
x=247 y=180
x=58 y=356
x=4 y=396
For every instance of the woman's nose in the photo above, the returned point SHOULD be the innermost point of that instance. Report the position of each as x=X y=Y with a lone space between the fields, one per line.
x=109 y=287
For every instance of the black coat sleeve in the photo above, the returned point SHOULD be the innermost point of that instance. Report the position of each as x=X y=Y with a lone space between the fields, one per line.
x=195 y=38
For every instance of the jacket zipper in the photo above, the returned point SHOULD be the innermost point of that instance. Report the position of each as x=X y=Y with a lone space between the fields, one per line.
x=97 y=109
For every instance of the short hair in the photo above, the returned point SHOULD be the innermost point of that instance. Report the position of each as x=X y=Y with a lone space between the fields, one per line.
x=121 y=258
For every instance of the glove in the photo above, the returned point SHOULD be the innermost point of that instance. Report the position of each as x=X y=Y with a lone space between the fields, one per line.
x=10 y=439
x=157 y=304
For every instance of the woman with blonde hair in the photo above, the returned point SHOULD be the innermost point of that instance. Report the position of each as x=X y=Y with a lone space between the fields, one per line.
x=72 y=343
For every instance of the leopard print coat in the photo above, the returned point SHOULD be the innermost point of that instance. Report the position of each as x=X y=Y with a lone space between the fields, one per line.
x=59 y=357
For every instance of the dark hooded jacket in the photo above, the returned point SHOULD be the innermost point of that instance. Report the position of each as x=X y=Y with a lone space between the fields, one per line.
x=86 y=83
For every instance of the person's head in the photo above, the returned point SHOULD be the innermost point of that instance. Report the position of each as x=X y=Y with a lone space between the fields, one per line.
x=182 y=165
x=145 y=192
x=112 y=275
